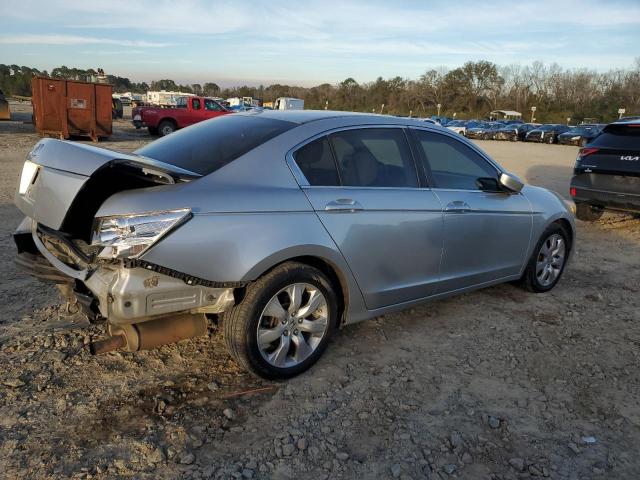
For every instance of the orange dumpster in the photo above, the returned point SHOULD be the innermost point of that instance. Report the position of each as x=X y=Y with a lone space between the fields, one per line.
x=66 y=108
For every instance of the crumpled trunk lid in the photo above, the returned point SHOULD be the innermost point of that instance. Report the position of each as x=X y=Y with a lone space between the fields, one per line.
x=64 y=170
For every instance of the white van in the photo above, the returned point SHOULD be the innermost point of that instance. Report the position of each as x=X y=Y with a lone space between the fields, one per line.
x=286 y=103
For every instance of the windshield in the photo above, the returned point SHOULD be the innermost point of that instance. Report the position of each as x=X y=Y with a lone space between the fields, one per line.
x=210 y=145
x=546 y=128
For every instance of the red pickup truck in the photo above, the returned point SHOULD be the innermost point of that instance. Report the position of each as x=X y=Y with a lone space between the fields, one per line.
x=188 y=110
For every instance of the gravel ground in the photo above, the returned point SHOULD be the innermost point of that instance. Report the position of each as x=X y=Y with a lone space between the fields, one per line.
x=495 y=384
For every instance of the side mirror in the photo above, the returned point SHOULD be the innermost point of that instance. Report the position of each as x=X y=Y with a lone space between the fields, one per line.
x=511 y=182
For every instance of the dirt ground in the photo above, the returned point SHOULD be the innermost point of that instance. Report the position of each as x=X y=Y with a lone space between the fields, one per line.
x=495 y=384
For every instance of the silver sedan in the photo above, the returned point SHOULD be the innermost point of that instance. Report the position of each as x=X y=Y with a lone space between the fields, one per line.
x=283 y=226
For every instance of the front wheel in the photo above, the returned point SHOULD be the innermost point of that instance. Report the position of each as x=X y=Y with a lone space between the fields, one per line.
x=284 y=322
x=547 y=263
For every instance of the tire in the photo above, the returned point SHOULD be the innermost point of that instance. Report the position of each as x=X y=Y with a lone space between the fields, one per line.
x=166 y=127
x=587 y=213
x=242 y=323
x=542 y=279
x=152 y=131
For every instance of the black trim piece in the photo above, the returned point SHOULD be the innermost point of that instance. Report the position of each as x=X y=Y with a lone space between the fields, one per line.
x=188 y=279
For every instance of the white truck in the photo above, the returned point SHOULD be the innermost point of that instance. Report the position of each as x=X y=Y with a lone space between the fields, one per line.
x=287 y=103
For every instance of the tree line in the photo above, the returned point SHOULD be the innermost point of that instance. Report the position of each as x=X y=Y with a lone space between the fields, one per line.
x=469 y=91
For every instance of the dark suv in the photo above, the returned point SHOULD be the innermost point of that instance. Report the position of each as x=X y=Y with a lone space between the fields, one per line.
x=607 y=172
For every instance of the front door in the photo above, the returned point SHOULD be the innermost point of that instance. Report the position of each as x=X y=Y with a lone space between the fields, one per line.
x=487 y=230
x=364 y=187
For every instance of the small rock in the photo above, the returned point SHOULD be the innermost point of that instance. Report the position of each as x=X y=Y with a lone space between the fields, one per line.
x=302 y=444
x=589 y=440
x=213 y=386
x=288 y=449
x=14 y=383
x=247 y=473
x=573 y=447
x=467 y=458
x=342 y=456
x=449 y=468
x=230 y=414
x=395 y=470
x=456 y=439
x=187 y=458
x=517 y=463
x=494 y=422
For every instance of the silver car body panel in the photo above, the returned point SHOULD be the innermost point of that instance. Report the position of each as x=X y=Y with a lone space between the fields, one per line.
x=399 y=247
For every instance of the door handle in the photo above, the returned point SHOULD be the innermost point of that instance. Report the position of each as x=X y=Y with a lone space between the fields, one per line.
x=457 y=206
x=343 y=205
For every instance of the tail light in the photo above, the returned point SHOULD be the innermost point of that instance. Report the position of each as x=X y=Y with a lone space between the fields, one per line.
x=585 y=152
x=572 y=191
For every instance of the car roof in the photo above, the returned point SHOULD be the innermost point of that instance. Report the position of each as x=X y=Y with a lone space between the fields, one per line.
x=307 y=116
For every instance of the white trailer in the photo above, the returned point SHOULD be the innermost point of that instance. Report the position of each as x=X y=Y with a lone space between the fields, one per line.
x=286 y=103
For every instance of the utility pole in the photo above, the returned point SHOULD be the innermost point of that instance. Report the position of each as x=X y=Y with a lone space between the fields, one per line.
x=381 y=108
x=533 y=111
x=439 y=105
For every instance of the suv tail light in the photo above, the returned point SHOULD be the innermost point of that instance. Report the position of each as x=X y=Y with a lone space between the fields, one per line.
x=572 y=191
x=585 y=152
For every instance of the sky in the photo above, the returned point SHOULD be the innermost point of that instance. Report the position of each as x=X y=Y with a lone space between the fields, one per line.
x=312 y=42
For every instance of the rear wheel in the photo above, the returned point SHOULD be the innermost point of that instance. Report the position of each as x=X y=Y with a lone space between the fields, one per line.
x=284 y=322
x=547 y=263
x=166 y=127
x=588 y=213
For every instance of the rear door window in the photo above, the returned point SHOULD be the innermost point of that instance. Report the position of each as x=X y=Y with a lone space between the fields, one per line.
x=316 y=162
x=453 y=164
x=374 y=157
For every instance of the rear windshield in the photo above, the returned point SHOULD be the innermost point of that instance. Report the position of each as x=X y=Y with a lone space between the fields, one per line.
x=624 y=137
x=210 y=145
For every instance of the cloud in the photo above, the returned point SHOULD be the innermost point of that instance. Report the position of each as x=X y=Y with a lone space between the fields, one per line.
x=75 y=40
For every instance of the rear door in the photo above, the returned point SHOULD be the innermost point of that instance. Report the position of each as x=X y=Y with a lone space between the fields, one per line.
x=212 y=108
x=364 y=186
x=486 y=229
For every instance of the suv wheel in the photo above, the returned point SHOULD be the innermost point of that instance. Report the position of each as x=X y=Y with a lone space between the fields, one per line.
x=283 y=323
x=587 y=213
x=547 y=263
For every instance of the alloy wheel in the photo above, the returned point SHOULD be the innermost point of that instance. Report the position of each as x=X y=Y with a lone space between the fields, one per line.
x=292 y=325
x=550 y=259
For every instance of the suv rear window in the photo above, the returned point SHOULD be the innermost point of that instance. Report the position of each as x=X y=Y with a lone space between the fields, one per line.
x=210 y=145
x=624 y=137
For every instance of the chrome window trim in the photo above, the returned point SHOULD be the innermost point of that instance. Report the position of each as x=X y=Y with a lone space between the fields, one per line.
x=304 y=183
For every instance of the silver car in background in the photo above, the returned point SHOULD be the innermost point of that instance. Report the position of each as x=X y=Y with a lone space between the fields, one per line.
x=284 y=226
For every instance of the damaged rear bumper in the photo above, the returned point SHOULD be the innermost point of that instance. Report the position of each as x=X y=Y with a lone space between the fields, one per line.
x=124 y=292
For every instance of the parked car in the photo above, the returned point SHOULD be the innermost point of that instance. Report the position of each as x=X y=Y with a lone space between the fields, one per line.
x=116 y=108
x=188 y=110
x=514 y=132
x=483 y=131
x=580 y=135
x=125 y=100
x=547 y=133
x=607 y=172
x=288 y=225
x=458 y=126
